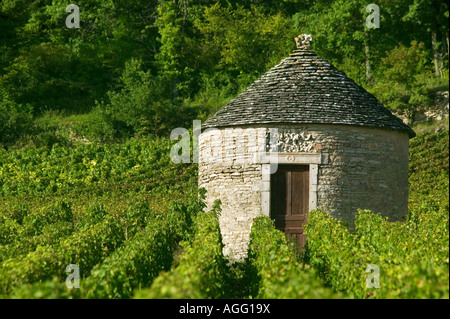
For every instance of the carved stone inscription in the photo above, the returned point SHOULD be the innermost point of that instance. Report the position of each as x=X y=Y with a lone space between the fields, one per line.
x=290 y=142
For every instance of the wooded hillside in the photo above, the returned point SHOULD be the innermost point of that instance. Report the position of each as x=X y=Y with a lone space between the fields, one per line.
x=140 y=67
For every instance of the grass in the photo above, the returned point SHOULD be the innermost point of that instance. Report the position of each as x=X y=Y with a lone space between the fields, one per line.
x=431 y=126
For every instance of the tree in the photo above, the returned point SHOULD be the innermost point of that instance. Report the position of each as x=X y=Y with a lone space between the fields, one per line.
x=50 y=66
x=244 y=42
x=404 y=85
x=341 y=35
x=172 y=23
x=433 y=16
x=142 y=103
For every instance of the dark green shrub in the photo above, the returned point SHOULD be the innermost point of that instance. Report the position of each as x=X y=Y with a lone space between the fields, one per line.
x=15 y=120
x=100 y=126
x=143 y=105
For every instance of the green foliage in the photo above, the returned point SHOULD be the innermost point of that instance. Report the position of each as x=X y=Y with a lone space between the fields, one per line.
x=200 y=272
x=89 y=167
x=147 y=253
x=99 y=126
x=406 y=86
x=135 y=264
x=84 y=248
x=53 y=67
x=412 y=258
x=37 y=244
x=277 y=271
x=137 y=241
x=57 y=212
x=48 y=77
x=242 y=43
x=23 y=231
x=69 y=193
x=94 y=213
x=14 y=121
x=239 y=35
x=135 y=251
x=323 y=18
x=140 y=104
x=150 y=240
x=148 y=67
x=171 y=24
x=429 y=172
x=9 y=230
x=51 y=289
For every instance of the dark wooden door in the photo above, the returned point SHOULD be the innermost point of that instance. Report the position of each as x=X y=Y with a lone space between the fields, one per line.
x=289 y=201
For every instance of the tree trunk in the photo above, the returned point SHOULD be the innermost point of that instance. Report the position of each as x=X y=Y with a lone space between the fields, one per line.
x=367 y=59
x=437 y=52
x=185 y=16
x=437 y=56
x=446 y=40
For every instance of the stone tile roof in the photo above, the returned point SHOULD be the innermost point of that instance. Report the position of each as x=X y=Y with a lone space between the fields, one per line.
x=306 y=89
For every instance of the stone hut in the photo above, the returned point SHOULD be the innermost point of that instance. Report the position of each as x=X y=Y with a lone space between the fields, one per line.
x=303 y=136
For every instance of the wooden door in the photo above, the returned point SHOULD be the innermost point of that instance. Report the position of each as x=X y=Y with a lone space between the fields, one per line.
x=289 y=191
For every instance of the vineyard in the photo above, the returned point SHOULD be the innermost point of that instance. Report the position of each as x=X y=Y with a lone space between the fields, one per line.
x=134 y=223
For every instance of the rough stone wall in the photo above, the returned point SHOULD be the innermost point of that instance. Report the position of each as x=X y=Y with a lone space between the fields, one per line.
x=228 y=172
x=361 y=168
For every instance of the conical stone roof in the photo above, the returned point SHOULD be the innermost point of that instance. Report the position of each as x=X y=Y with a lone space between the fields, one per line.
x=306 y=89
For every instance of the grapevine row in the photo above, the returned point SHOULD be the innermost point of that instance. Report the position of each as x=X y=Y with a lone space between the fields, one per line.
x=135 y=263
x=85 y=248
x=275 y=267
x=410 y=258
x=200 y=272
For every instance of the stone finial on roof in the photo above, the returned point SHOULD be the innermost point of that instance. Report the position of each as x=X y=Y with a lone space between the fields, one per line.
x=303 y=41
